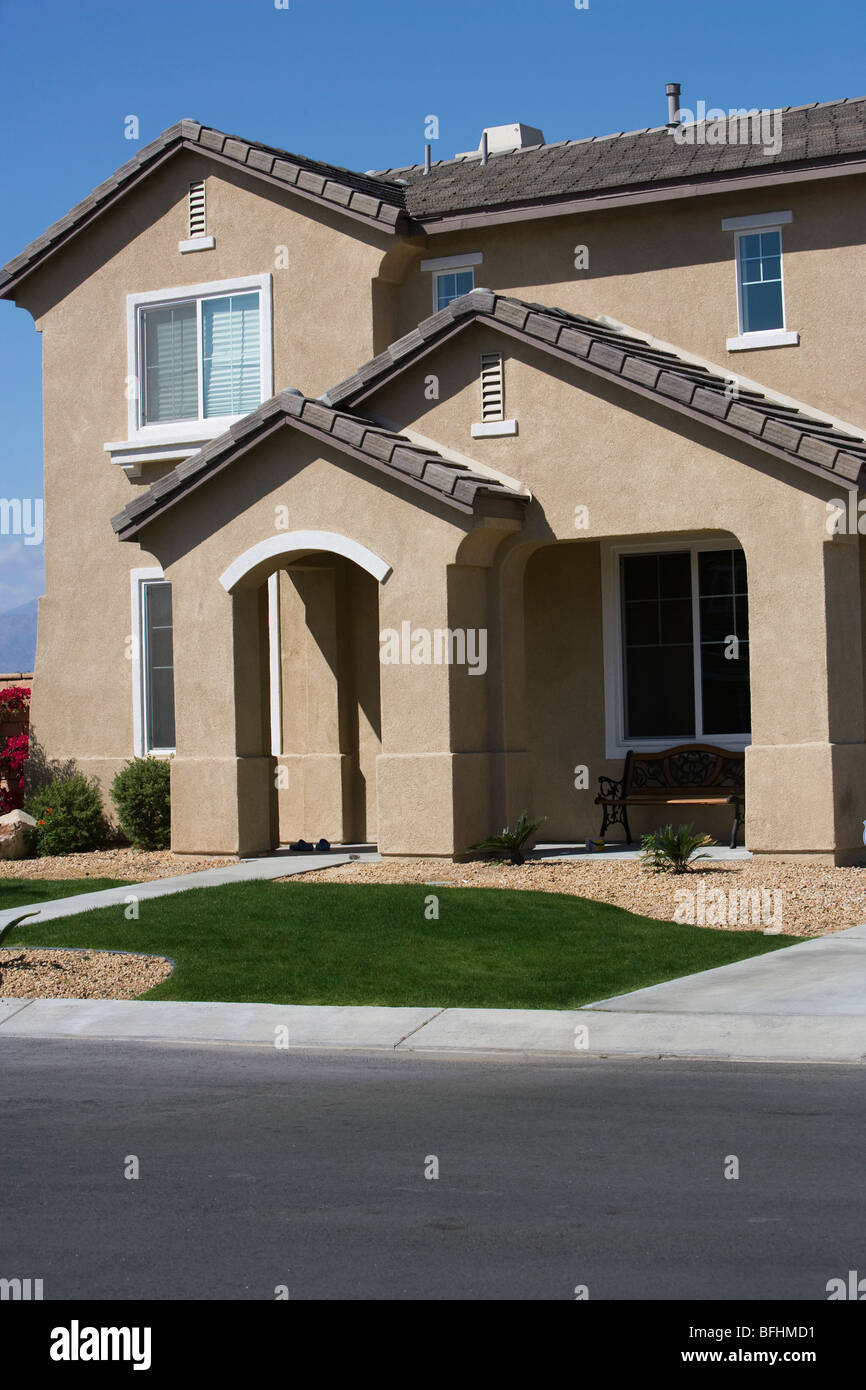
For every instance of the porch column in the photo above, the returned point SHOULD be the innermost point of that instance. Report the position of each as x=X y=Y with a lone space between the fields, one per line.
x=222 y=783
x=806 y=766
x=434 y=772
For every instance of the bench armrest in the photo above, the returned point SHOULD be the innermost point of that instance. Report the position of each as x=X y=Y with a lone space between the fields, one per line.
x=609 y=787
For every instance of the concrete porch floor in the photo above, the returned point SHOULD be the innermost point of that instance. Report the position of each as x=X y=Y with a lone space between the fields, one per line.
x=619 y=851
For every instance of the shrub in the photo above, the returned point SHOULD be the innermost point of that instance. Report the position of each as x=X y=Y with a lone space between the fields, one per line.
x=69 y=816
x=13 y=756
x=673 y=851
x=510 y=844
x=140 y=791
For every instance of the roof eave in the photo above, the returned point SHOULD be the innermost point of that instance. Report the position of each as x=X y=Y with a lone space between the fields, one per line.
x=631 y=196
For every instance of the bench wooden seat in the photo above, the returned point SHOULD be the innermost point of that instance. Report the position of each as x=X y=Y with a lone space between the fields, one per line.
x=691 y=774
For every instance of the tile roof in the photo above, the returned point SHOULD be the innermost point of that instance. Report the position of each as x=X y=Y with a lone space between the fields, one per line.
x=392 y=454
x=825 y=132
x=638 y=366
x=406 y=200
x=376 y=201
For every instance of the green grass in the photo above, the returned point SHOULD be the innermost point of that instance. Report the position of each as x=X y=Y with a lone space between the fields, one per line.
x=15 y=892
x=300 y=943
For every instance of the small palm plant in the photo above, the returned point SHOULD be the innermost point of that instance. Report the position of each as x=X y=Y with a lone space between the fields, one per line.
x=510 y=844
x=669 y=851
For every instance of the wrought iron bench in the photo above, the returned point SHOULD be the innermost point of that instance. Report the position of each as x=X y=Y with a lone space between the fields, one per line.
x=692 y=774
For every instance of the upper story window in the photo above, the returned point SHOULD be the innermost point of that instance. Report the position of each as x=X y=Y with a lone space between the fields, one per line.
x=200 y=357
x=759 y=272
x=452 y=276
x=450 y=284
x=760 y=286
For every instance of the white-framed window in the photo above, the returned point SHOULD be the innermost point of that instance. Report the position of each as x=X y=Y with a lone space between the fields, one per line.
x=760 y=282
x=452 y=276
x=676 y=644
x=152 y=663
x=450 y=284
x=200 y=357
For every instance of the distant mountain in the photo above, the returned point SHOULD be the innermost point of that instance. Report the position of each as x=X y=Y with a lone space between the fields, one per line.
x=18 y=637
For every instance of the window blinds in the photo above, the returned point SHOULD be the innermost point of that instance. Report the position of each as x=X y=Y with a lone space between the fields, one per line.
x=231 y=355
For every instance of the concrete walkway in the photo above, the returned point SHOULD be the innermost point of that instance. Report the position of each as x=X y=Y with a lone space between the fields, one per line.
x=803 y=1004
x=277 y=865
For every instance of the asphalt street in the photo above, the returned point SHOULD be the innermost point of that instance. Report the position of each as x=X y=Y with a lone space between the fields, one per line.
x=312 y=1173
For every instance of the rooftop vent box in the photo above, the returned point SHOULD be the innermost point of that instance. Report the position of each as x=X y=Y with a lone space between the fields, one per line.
x=501 y=139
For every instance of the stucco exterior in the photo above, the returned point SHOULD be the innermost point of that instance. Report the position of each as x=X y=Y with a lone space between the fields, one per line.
x=321 y=737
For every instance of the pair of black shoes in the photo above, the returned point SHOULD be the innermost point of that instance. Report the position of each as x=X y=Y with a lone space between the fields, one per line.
x=304 y=847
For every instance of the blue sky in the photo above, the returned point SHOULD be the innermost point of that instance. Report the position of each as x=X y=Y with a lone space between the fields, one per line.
x=351 y=81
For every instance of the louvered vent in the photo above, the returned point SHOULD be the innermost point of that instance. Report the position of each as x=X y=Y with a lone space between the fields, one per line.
x=492 y=387
x=197 y=215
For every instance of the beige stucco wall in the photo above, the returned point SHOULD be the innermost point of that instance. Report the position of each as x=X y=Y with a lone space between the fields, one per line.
x=668 y=270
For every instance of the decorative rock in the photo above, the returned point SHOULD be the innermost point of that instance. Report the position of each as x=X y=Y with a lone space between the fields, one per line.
x=13 y=834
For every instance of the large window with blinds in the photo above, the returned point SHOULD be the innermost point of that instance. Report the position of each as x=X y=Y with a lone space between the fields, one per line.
x=677 y=644
x=201 y=359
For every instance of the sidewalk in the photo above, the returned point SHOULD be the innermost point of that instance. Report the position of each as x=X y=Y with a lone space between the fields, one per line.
x=277 y=865
x=803 y=1004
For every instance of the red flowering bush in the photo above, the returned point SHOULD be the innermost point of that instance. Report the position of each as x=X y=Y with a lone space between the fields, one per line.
x=13 y=700
x=13 y=756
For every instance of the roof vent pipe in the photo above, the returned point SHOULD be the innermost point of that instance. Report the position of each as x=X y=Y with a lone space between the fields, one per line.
x=427 y=158
x=484 y=147
x=672 y=91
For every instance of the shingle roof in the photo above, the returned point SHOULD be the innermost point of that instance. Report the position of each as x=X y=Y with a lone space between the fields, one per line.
x=392 y=454
x=376 y=201
x=633 y=363
x=816 y=133
x=403 y=200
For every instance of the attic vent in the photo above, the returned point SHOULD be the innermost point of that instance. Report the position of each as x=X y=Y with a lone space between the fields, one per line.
x=492 y=387
x=197 y=215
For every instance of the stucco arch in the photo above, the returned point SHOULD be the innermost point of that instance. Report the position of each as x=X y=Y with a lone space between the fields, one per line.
x=293 y=544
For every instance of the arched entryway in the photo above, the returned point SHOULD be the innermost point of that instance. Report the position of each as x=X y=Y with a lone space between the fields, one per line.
x=314 y=677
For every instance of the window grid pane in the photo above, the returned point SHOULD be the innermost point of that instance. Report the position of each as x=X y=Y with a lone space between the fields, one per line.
x=724 y=623
x=450 y=285
x=231 y=355
x=760 y=257
x=660 y=655
x=170 y=363
x=159 y=666
x=658 y=645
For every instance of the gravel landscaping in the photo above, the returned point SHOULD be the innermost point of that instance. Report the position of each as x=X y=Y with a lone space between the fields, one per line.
x=136 y=865
x=815 y=900
x=50 y=974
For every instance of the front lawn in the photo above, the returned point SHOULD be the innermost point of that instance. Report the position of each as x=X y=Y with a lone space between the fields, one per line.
x=16 y=892
x=316 y=943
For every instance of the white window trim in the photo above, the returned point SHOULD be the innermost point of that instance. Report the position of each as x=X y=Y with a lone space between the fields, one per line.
x=756 y=219
x=454 y=262
x=137 y=579
x=616 y=743
x=462 y=264
x=768 y=337
x=201 y=430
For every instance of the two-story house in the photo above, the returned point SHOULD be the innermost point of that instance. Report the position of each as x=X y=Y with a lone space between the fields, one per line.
x=392 y=503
